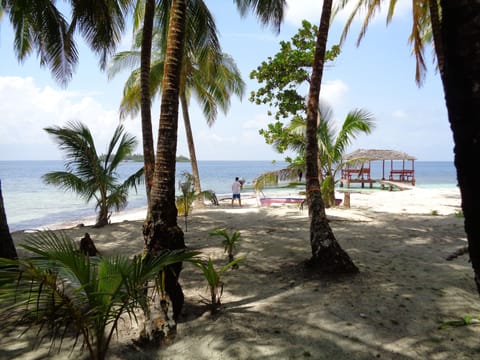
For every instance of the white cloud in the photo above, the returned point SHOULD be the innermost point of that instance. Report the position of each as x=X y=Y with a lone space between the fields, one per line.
x=27 y=108
x=334 y=91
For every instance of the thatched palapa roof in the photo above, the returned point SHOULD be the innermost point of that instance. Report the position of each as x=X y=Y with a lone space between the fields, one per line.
x=375 y=154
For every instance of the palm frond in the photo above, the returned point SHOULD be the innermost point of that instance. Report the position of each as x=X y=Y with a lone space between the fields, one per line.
x=63 y=289
x=123 y=60
x=269 y=12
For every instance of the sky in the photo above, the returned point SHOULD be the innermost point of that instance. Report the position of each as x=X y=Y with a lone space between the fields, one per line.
x=377 y=76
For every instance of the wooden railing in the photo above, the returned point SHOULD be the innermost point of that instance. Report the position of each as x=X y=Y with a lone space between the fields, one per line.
x=402 y=175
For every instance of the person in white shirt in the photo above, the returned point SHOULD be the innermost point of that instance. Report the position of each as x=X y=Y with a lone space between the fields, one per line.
x=236 y=188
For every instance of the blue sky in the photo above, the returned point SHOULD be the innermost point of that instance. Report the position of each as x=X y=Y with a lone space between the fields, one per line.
x=377 y=76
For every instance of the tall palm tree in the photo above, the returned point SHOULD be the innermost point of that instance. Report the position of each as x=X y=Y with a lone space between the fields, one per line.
x=161 y=229
x=459 y=34
x=454 y=31
x=146 y=115
x=207 y=73
x=327 y=255
x=89 y=175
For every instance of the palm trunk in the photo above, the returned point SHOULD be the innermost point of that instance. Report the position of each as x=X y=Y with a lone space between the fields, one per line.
x=327 y=255
x=460 y=34
x=103 y=216
x=191 y=149
x=161 y=230
x=7 y=247
x=437 y=36
x=145 y=105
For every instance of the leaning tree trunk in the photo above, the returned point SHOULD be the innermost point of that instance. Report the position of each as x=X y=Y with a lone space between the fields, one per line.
x=327 y=255
x=7 y=247
x=191 y=150
x=461 y=42
x=145 y=96
x=161 y=231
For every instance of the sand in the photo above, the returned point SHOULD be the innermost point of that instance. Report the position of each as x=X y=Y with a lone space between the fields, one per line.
x=273 y=309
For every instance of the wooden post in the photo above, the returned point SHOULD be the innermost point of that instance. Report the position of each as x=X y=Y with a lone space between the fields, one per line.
x=346 y=199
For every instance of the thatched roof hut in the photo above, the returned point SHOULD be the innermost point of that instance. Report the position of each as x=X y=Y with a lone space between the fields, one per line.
x=374 y=154
x=358 y=162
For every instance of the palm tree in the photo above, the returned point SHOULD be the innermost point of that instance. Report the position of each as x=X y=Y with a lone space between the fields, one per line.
x=454 y=30
x=161 y=229
x=327 y=255
x=332 y=144
x=145 y=58
x=209 y=74
x=459 y=33
x=71 y=293
x=89 y=175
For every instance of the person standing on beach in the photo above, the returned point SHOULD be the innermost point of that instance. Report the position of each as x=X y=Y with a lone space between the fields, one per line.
x=236 y=187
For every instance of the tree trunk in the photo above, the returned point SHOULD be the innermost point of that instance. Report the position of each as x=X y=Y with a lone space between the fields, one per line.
x=161 y=230
x=191 y=150
x=437 y=36
x=103 y=215
x=145 y=95
x=327 y=255
x=7 y=247
x=461 y=41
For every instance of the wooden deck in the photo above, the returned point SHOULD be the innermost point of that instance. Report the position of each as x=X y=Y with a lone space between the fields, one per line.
x=395 y=185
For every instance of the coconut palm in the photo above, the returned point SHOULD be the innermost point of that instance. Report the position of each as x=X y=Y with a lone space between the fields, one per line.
x=161 y=229
x=92 y=176
x=332 y=144
x=67 y=292
x=148 y=16
x=327 y=255
x=459 y=31
x=207 y=73
x=454 y=29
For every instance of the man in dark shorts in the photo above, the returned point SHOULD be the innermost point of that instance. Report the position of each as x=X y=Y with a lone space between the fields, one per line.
x=236 y=187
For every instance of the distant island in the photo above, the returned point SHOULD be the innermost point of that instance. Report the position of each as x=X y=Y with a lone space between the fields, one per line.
x=139 y=158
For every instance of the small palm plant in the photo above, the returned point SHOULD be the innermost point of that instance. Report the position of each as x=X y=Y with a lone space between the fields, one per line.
x=214 y=280
x=92 y=176
x=185 y=201
x=65 y=290
x=230 y=242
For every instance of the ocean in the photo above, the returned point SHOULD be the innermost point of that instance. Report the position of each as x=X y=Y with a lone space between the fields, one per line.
x=29 y=203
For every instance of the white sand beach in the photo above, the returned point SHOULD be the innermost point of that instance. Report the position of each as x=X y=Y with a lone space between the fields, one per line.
x=274 y=309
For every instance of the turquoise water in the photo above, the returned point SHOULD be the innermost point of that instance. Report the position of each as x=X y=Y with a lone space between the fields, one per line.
x=30 y=203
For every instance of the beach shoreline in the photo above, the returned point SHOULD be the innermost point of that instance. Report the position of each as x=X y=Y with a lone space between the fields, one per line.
x=395 y=308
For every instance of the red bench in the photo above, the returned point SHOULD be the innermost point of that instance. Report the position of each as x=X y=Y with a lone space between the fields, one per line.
x=402 y=176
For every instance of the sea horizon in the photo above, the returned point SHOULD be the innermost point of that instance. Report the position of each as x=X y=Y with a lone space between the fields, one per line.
x=31 y=204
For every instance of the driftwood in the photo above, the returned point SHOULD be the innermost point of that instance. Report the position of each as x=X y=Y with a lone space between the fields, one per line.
x=87 y=246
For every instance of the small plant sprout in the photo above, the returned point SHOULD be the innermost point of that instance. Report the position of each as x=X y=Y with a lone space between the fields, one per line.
x=214 y=280
x=230 y=242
